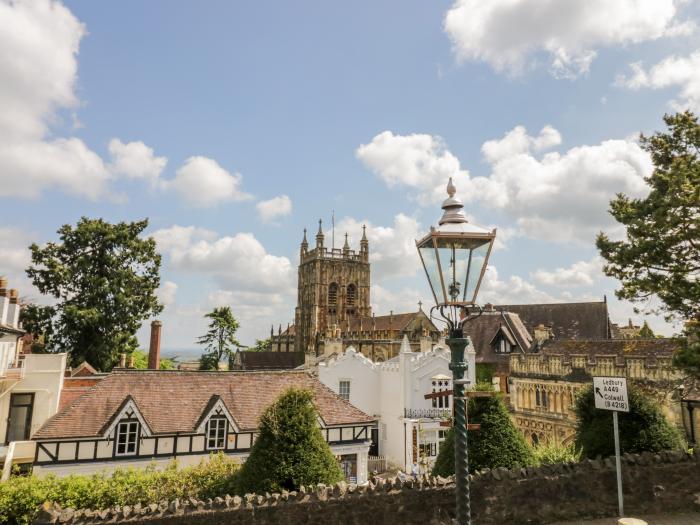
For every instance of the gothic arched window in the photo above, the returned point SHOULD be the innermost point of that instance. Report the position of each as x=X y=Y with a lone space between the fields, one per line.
x=351 y=295
x=333 y=294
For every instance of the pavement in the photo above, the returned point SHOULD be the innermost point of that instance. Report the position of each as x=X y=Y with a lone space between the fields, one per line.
x=692 y=518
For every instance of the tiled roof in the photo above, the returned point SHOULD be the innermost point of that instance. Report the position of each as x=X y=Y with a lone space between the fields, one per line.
x=173 y=401
x=385 y=322
x=619 y=347
x=74 y=387
x=270 y=360
x=567 y=320
x=484 y=328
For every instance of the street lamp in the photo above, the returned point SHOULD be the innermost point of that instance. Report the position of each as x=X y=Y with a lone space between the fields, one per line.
x=455 y=255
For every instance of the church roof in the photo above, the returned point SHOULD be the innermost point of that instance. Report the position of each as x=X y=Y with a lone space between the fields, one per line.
x=173 y=401
x=270 y=360
x=567 y=320
x=386 y=322
x=662 y=347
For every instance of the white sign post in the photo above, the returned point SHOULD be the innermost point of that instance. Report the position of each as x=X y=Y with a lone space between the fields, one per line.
x=610 y=393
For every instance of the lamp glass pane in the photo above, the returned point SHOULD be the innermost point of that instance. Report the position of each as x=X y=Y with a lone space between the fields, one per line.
x=462 y=260
x=453 y=261
x=478 y=258
x=429 y=257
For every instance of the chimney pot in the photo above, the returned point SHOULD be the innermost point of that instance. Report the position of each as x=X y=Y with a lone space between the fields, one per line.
x=122 y=360
x=14 y=295
x=131 y=361
x=154 y=348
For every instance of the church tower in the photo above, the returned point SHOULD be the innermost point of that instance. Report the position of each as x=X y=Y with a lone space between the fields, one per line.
x=333 y=287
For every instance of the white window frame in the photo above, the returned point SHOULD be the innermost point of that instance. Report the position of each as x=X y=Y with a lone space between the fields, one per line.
x=127 y=434
x=221 y=423
x=341 y=393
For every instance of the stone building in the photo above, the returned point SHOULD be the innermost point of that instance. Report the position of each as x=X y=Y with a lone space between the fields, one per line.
x=543 y=384
x=333 y=309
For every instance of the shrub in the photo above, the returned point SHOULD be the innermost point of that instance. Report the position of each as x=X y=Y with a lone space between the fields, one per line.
x=552 y=453
x=496 y=444
x=21 y=496
x=643 y=428
x=290 y=450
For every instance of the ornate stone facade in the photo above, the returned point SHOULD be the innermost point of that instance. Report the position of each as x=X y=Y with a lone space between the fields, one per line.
x=543 y=385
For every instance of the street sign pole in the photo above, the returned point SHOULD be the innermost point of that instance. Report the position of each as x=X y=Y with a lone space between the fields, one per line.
x=610 y=393
x=620 y=505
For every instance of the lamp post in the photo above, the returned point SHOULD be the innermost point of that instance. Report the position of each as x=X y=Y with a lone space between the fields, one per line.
x=454 y=256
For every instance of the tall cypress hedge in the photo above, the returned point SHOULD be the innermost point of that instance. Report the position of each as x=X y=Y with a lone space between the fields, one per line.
x=498 y=443
x=290 y=450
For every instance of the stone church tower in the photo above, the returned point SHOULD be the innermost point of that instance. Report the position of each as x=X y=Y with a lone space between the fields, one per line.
x=333 y=289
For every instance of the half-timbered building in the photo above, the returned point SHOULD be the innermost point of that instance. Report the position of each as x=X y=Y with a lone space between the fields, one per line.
x=132 y=418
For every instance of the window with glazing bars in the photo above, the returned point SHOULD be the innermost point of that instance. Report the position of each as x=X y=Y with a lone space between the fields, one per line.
x=127 y=436
x=216 y=433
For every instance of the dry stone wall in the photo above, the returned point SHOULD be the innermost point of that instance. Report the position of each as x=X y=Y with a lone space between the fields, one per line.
x=653 y=483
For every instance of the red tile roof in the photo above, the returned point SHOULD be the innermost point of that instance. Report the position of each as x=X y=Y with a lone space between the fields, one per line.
x=173 y=400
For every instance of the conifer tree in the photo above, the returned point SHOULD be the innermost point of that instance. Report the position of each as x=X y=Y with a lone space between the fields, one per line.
x=496 y=444
x=290 y=450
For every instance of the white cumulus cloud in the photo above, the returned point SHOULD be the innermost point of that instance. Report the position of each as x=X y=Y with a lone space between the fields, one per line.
x=201 y=182
x=166 y=293
x=135 y=160
x=271 y=210
x=581 y=273
x=238 y=262
x=674 y=71
x=510 y=35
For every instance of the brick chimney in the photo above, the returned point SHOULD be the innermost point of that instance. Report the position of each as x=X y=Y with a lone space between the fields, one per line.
x=154 y=348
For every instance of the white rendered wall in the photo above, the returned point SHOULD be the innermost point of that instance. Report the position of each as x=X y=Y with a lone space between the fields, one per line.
x=43 y=376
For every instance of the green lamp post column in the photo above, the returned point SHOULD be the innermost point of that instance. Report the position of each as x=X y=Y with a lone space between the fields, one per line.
x=455 y=256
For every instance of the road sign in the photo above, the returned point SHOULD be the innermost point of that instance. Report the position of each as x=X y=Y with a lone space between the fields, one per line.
x=610 y=393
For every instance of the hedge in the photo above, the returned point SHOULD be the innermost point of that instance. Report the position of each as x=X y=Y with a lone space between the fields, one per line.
x=21 y=496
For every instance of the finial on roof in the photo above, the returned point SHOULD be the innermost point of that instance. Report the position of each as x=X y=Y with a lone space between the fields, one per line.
x=364 y=232
x=451 y=190
x=320 y=227
x=304 y=239
x=346 y=246
x=420 y=305
x=405 y=345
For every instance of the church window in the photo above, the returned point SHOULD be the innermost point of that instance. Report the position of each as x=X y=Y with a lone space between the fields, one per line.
x=216 y=433
x=344 y=390
x=333 y=294
x=127 y=437
x=351 y=295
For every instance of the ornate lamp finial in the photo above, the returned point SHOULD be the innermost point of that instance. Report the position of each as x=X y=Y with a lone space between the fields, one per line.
x=451 y=190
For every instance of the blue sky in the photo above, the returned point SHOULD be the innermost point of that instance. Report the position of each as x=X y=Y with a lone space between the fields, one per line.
x=232 y=126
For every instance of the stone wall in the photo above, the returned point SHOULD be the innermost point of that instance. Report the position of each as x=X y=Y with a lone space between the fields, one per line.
x=652 y=483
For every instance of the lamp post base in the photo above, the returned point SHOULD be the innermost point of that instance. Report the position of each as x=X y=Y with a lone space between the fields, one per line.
x=459 y=366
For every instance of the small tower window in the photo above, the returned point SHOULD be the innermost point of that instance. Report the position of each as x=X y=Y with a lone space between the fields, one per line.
x=352 y=294
x=333 y=294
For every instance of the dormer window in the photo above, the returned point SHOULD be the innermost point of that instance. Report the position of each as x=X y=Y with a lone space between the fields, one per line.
x=217 y=433
x=126 y=443
x=502 y=346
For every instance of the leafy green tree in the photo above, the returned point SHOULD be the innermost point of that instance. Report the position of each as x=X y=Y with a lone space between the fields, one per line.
x=104 y=278
x=496 y=444
x=661 y=253
x=290 y=450
x=261 y=345
x=220 y=339
x=141 y=361
x=645 y=332
x=643 y=428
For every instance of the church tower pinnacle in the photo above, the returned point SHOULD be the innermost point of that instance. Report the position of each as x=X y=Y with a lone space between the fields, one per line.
x=364 y=244
x=304 y=244
x=319 y=235
x=346 y=246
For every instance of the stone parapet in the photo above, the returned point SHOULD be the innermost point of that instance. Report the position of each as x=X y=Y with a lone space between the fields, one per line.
x=652 y=483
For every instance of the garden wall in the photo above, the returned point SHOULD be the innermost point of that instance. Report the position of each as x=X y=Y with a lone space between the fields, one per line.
x=653 y=483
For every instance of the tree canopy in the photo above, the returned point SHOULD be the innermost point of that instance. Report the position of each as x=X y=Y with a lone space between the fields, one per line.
x=643 y=428
x=290 y=450
x=661 y=253
x=104 y=279
x=141 y=361
x=220 y=339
